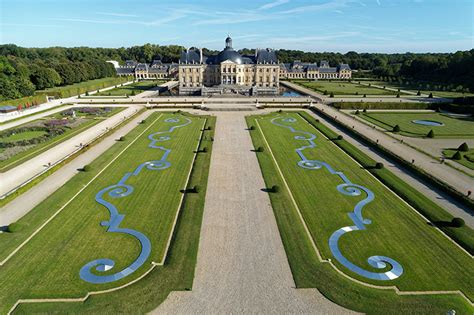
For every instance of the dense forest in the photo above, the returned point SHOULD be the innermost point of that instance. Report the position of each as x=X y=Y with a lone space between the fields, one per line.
x=25 y=70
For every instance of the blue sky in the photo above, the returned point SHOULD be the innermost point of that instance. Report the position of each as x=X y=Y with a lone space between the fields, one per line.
x=317 y=25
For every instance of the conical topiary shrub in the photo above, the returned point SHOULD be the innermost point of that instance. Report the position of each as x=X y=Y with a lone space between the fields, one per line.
x=396 y=128
x=463 y=147
x=430 y=134
x=457 y=156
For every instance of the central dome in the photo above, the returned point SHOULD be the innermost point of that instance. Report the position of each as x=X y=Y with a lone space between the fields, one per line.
x=229 y=53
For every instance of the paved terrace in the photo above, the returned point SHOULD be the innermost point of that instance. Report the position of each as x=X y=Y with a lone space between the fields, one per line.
x=241 y=266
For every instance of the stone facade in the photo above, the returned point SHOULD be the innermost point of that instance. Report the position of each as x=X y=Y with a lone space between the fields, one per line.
x=311 y=71
x=229 y=72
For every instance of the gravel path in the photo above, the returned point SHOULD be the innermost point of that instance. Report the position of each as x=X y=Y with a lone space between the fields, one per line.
x=242 y=266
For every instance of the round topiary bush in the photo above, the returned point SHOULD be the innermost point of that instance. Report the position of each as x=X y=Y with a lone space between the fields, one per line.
x=275 y=189
x=457 y=156
x=457 y=222
x=252 y=128
x=396 y=128
x=463 y=147
x=378 y=165
x=340 y=137
x=86 y=168
x=430 y=134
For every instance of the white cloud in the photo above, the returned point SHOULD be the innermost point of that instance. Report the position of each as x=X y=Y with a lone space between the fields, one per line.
x=273 y=4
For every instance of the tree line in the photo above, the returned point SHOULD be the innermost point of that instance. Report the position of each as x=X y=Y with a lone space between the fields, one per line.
x=24 y=70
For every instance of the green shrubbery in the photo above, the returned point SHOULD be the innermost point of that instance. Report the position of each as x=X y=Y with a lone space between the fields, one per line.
x=457 y=156
x=275 y=189
x=396 y=128
x=381 y=105
x=457 y=222
x=87 y=168
x=430 y=134
x=463 y=147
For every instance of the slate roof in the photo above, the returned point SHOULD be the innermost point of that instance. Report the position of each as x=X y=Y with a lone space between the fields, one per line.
x=190 y=56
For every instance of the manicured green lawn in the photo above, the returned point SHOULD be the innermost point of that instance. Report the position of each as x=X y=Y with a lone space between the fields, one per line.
x=138 y=88
x=415 y=88
x=343 y=88
x=453 y=127
x=27 y=135
x=431 y=262
x=467 y=157
x=51 y=261
x=24 y=156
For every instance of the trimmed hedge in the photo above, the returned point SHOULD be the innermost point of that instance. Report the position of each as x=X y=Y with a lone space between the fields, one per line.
x=83 y=87
x=464 y=236
x=381 y=105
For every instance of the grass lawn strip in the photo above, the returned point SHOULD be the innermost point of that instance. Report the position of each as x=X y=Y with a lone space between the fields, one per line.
x=319 y=256
x=344 y=88
x=166 y=223
x=126 y=90
x=176 y=274
x=453 y=128
x=19 y=158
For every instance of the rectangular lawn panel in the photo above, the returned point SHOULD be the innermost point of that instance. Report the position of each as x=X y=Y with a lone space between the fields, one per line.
x=431 y=262
x=137 y=87
x=453 y=127
x=48 y=265
x=343 y=88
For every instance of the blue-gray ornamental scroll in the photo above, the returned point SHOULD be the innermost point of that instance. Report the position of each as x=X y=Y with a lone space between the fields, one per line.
x=120 y=190
x=349 y=189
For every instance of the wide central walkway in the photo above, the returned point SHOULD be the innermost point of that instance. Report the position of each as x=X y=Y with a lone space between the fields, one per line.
x=242 y=266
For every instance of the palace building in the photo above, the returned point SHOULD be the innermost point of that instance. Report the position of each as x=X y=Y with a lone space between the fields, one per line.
x=231 y=72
